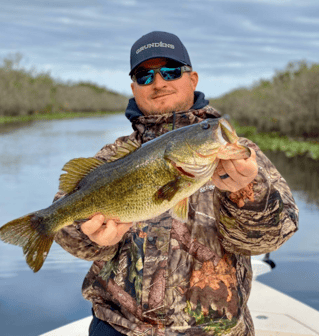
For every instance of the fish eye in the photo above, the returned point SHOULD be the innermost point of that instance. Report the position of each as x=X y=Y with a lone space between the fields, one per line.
x=205 y=125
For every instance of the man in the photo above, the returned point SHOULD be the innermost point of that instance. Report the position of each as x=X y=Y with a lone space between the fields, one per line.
x=162 y=276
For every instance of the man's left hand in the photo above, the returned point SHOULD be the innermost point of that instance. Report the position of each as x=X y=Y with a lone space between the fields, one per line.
x=240 y=173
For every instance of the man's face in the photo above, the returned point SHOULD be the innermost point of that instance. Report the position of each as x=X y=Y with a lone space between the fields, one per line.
x=164 y=96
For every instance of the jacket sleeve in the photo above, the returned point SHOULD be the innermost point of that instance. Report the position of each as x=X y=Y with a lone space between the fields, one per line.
x=259 y=218
x=72 y=239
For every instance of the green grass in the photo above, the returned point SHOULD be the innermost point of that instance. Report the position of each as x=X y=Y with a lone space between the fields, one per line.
x=52 y=116
x=275 y=142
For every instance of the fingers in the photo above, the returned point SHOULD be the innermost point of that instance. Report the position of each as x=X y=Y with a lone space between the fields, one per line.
x=104 y=234
x=223 y=184
x=220 y=171
x=93 y=224
x=113 y=233
x=246 y=167
x=241 y=173
x=122 y=228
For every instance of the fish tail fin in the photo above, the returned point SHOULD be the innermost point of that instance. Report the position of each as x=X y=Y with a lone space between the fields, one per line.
x=28 y=233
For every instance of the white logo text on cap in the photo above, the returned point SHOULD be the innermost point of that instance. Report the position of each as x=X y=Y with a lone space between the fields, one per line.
x=155 y=45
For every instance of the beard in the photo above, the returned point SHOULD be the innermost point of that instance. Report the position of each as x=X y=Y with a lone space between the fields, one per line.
x=184 y=105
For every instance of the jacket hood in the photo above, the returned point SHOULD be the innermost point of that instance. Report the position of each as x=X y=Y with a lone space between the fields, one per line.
x=132 y=111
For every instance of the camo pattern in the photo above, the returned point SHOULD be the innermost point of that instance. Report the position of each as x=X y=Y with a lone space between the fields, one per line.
x=171 y=278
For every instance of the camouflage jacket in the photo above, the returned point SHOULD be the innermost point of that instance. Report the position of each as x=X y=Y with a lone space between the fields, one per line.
x=170 y=278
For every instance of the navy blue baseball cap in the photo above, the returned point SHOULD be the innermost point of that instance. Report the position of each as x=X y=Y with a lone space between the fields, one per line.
x=158 y=44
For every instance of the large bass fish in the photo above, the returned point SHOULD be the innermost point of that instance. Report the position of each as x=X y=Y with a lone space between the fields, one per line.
x=138 y=183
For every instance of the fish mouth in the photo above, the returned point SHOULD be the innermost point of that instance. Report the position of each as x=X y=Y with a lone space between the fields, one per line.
x=225 y=132
x=230 y=149
x=225 y=135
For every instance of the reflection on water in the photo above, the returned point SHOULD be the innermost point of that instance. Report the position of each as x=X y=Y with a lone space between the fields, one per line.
x=297 y=270
x=13 y=126
x=301 y=173
x=31 y=158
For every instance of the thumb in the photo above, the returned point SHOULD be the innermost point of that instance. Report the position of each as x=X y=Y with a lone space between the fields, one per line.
x=122 y=228
x=92 y=225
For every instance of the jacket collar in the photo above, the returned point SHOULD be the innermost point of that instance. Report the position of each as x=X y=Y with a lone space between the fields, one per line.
x=152 y=126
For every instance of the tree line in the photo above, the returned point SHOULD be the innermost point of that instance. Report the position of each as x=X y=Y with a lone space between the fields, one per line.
x=26 y=92
x=287 y=104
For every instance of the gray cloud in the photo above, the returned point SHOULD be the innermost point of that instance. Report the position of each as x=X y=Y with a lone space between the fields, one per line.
x=240 y=40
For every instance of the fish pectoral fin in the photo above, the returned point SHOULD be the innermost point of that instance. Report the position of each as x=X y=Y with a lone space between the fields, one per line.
x=124 y=149
x=180 y=210
x=76 y=169
x=167 y=191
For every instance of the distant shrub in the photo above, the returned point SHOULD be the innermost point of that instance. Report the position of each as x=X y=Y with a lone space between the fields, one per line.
x=25 y=92
x=86 y=98
x=288 y=103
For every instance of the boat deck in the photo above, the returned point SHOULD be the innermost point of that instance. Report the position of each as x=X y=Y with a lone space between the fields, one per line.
x=274 y=314
x=277 y=314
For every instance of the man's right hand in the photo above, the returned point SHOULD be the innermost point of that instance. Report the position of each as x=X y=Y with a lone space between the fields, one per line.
x=104 y=233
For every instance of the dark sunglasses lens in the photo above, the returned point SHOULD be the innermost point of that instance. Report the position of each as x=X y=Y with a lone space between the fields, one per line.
x=145 y=77
x=171 y=73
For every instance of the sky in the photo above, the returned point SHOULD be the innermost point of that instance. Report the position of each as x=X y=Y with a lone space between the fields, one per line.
x=231 y=43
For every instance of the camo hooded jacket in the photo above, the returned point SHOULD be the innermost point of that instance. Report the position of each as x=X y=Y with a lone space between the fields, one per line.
x=171 y=278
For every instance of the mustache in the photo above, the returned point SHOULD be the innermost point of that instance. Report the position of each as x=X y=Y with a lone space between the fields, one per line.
x=161 y=93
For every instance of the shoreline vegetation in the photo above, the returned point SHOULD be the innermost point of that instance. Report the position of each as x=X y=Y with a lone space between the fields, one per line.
x=280 y=114
x=25 y=93
x=54 y=116
x=277 y=143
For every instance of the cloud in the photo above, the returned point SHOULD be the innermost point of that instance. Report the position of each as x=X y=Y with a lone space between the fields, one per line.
x=224 y=37
x=307 y=20
x=128 y=3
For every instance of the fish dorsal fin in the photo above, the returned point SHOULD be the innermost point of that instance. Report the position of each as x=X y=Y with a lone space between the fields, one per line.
x=76 y=169
x=180 y=210
x=124 y=149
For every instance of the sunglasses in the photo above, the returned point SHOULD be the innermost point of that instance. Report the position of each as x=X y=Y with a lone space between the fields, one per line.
x=146 y=77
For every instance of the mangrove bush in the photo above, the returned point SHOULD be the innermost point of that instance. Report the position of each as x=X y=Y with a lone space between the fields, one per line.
x=287 y=104
x=26 y=92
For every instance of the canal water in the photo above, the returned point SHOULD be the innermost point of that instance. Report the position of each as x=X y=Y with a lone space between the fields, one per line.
x=31 y=158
